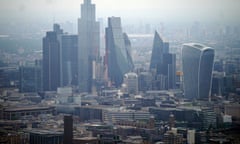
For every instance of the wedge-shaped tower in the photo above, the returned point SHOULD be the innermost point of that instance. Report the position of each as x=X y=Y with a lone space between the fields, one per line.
x=118 y=58
x=163 y=64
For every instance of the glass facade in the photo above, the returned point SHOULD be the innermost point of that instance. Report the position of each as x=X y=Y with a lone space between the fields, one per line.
x=163 y=64
x=119 y=60
x=197 y=63
x=88 y=45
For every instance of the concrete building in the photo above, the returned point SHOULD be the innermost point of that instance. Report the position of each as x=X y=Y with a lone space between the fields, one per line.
x=191 y=136
x=64 y=94
x=45 y=136
x=144 y=81
x=115 y=116
x=197 y=61
x=131 y=80
x=172 y=138
x=232 y=110
x=87 y=113
x=209 y=118
x=17 y=113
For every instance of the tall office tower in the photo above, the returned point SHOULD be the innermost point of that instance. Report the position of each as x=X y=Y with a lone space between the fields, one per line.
x=118 y=60
x=163 y=65
x=51 y=60
x=88 y=42
x=68 y=59
x=197 y=64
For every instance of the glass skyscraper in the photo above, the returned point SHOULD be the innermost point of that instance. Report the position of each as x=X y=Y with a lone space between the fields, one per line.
x=163 y=65
x=197 y=62
x=51 y=62
x=68 y=56
x=118 y=58
x=60 y=59
x=89 y=43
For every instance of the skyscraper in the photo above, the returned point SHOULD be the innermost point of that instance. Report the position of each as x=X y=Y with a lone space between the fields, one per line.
x=197 y=61
x=162 y=64
x=51 y=61
x=89 y=43
x=118 y=59
x=68 y=59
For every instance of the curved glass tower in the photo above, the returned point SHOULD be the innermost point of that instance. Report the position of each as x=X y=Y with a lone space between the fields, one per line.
x=197 y=61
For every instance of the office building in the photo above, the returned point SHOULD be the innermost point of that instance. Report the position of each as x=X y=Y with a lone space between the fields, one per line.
x=233 y=110
x=60 y=59
x=217 y=83
x=9 y=76
x=144 y=81
x=131 y=81
x=197 y=61
x=51 y=60
x=118 y=59
x=162 y=65
x=191 y=136
x=88 y=46
x=40 y=136
x=209 y=118
x=87 y=113
x=68 y=59
x=30 y=77
x=18 y=112
x=172 y=138
x=113 y=116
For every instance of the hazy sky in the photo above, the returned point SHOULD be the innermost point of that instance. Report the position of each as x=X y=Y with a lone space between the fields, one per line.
x=162 y=10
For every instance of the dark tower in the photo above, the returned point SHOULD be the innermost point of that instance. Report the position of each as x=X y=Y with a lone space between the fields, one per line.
x=51 y=62
x=68 y=129
x=69 y=60
x=157 y=51
x=163 y=65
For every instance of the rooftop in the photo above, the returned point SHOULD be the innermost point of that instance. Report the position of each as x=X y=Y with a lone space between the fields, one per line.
x=197 y=46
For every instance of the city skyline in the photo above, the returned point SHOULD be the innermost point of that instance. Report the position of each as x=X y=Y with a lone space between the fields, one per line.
x=96 y=80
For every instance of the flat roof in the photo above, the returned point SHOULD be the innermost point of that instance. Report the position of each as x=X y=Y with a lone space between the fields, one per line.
x=45 y=132
x=26 y=108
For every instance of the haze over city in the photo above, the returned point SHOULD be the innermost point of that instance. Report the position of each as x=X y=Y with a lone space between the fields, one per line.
x=221 y=11
x=119 y=71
